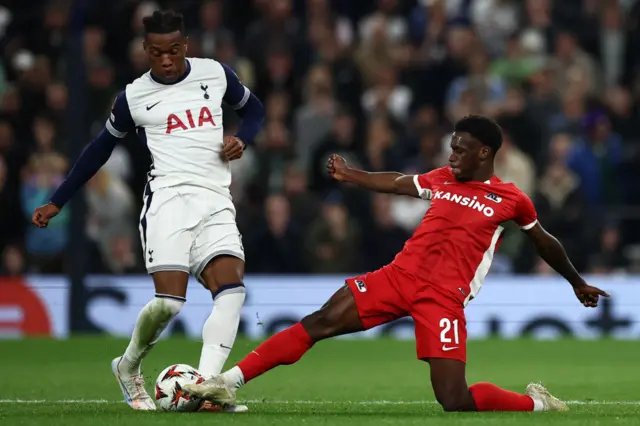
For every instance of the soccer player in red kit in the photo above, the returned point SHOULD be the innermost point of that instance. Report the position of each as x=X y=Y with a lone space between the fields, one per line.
x=440 y=269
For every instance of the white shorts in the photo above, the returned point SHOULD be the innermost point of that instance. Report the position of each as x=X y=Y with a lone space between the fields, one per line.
x=184 y=228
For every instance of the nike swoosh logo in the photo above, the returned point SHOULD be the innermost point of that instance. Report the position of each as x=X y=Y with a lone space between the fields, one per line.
x=149 y=107
x=223 y=346
x=448 y=348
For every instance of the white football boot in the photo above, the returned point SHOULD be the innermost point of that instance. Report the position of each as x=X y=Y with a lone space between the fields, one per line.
x=538 y=392
x=215 y=390
x=132 y=387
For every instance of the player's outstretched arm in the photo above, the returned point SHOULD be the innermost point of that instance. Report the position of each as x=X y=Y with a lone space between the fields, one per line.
x=552 y=252
x=90 y=161
x=387 y=182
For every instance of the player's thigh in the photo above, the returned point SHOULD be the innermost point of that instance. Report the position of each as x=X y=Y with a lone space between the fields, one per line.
x=377 y=295
x=440 y=326
x=217 y=254
x=171 y=283
x=166 y=232
x=338 y=316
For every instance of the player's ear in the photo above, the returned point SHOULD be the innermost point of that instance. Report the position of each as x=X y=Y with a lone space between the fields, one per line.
x=485 y=152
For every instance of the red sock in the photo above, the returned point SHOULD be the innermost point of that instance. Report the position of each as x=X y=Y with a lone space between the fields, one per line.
x=490 y=397
x=284 y=348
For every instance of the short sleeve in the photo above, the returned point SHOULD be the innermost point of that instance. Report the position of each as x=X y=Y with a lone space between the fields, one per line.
x=423 y=185
x=120 y=121
x=236 y=94
x=525 y=214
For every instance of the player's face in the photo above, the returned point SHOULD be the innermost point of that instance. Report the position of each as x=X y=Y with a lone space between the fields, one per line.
x=166 y=54
x=466 y=155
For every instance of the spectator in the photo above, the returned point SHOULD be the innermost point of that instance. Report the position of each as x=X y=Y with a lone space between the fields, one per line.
x=573 y=64
x=274 y=151
x=342 y=141
x=478 y=90
x=515 y=68
x=385 y=238
x=387 y=96
x=227 y=53
x=278 y=74
x=279 y=27
x=395 y=24
x=320 y=10
x=13 y=262
x=110 y=218
x=375 y=52
x=345 y=74
x=624 y=121
x=211 y=28
x=45 y=246
x=381 y=151
x=494 y=20
x=277 y=245
x=314 y=117
x=513 y=165
x=562 y=209
x=596 y=159
x=334 y=240
x=304 y=204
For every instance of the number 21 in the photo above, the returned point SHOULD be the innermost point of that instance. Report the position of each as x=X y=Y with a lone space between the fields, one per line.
x=446 y=326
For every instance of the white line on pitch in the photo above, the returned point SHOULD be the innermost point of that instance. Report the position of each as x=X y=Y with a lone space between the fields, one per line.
x=306 y=402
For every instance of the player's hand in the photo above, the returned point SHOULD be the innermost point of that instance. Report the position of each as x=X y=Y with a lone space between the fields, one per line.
x=336 y=166
x=588 y=295
x=43 y=214
x=232 y=148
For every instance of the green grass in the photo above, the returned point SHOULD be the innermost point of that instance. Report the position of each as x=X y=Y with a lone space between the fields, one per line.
x=338 y=383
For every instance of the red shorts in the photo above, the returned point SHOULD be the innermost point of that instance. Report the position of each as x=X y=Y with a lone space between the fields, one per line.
x=390 y=293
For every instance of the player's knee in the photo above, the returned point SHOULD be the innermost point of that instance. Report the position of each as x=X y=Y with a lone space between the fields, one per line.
x=168 y=307
x=321 y=324
x=449 y=404
x=229 y=298
x=455 y=401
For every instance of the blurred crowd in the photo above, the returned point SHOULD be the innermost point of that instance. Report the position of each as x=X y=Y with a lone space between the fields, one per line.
x=379 y=82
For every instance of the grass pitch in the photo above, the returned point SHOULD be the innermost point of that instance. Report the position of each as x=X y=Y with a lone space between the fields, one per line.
x=339 y=382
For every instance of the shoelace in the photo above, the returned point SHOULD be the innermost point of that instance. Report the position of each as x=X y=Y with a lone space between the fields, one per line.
x=138 y=381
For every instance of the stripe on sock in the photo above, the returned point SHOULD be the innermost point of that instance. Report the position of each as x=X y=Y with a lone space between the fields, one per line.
x=229 y=288
x=171 y=296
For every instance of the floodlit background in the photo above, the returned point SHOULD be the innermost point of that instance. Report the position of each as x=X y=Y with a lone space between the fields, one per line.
x=379 y=82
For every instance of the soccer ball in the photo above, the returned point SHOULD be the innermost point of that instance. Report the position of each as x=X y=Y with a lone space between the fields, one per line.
x=169 y=386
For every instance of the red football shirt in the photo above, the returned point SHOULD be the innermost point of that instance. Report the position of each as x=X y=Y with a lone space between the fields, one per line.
x=453 y=246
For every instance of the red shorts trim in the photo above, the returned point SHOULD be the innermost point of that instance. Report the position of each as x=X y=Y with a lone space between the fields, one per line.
x=390 y=293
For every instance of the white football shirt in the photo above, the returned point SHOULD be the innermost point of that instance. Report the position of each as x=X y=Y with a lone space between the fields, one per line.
x=181 y=123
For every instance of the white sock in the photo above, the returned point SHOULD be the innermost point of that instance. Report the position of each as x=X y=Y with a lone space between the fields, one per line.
x=537 y=404
x=152 y=320
x=234 y=377
x=220 y=329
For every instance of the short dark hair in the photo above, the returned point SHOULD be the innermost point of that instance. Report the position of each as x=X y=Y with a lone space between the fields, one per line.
x=487 y=131
x=163 y=22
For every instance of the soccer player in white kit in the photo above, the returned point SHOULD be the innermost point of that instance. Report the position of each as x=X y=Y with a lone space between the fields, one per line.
x=187 y=224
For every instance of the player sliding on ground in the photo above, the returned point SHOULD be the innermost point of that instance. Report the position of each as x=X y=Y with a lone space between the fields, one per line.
x=188 y=222
x=440 y=269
